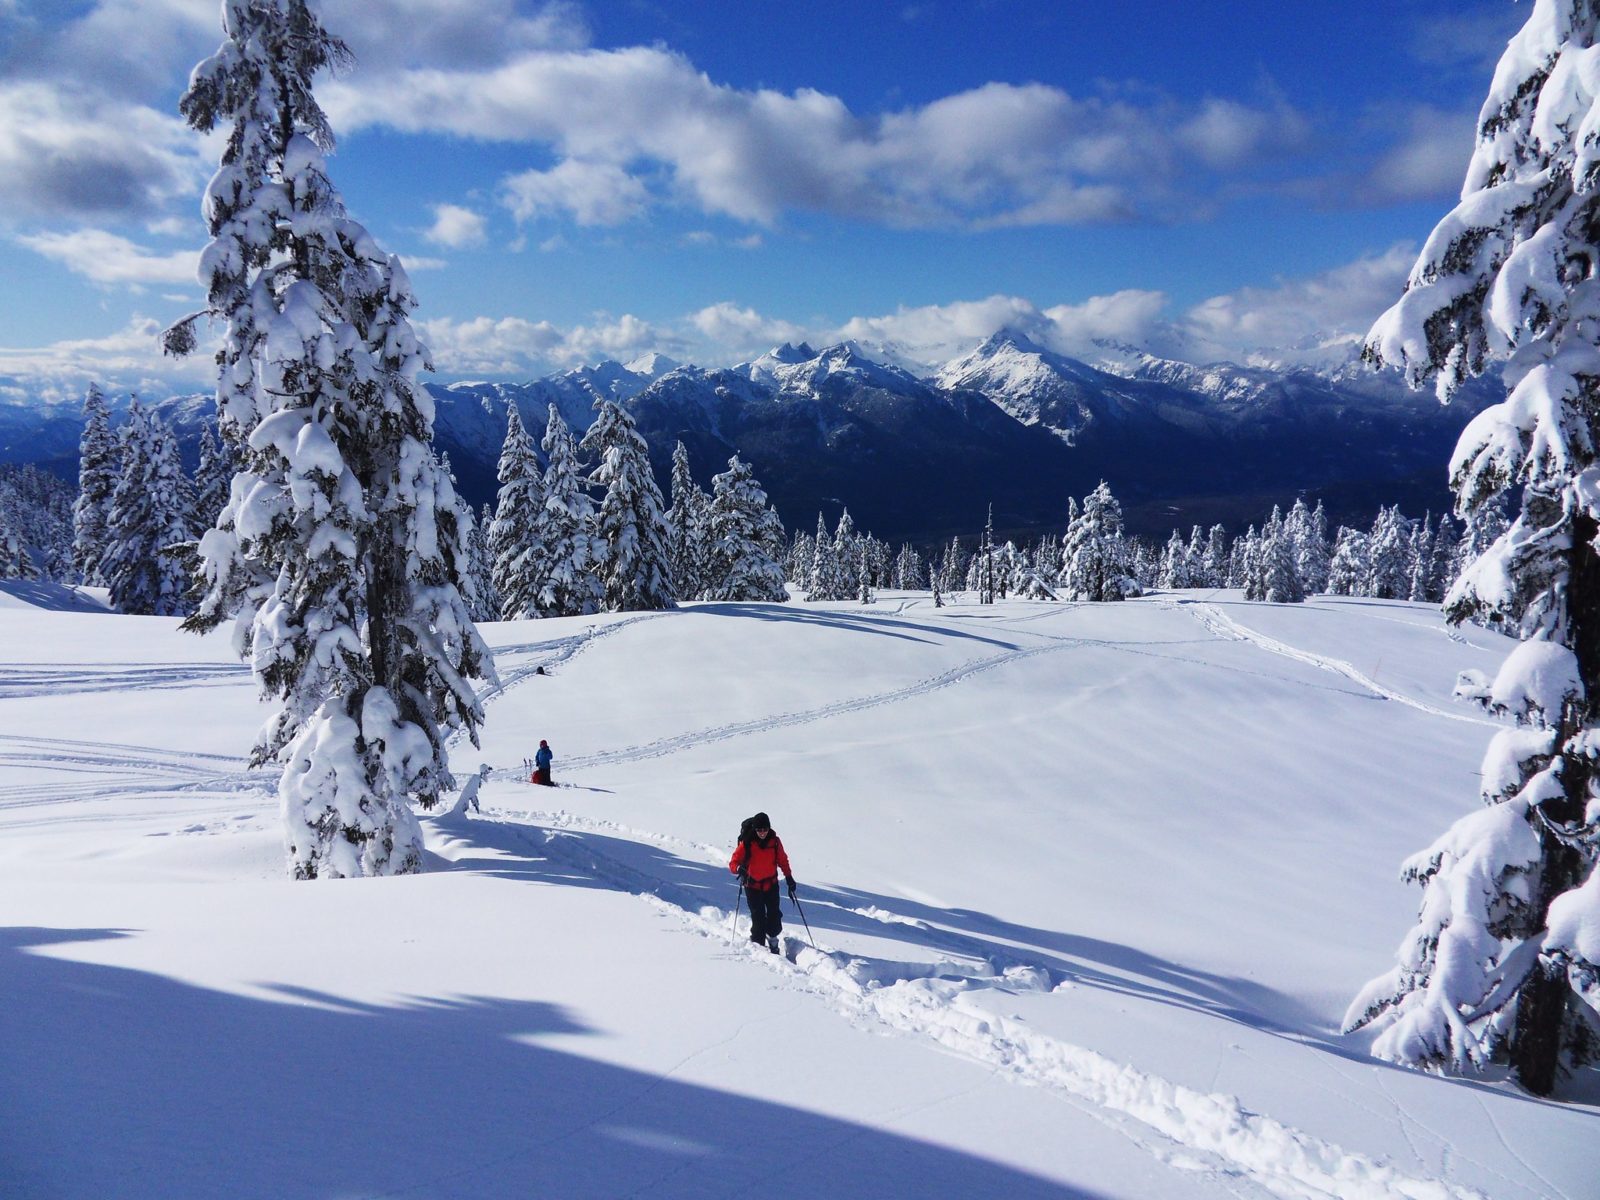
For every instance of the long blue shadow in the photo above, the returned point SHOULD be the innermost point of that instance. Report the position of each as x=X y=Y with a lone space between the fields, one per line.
x=882 y=626
x=121 y=1083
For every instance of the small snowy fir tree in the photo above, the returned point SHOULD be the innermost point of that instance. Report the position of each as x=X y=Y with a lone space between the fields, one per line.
x=908 y=569
x=741 y=569
x=1504 y=961
x=213 y=478
x=1280 y=575
x=1441 y=568
x=1096 y=554
x=15 y=561
x=1349 y=569
x=99 y=461
x=1174 y=563
x=566 y=550
x=338 y=554
x=686 y=528
x=510 y=543
x=823 y=581
x=636 y=562
x=1313 y=557
x=1389 y=556
x=1217 y=557
x=148 y=564
x=485 y=605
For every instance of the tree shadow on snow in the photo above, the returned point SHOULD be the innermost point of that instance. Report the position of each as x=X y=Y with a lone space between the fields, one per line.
x=119 y=1082
x=581 y=858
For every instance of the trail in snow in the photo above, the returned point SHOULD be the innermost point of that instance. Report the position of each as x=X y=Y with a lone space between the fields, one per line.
x=108 y=770
x=65 y=679
x=1227 y=628
x=1185 y=1128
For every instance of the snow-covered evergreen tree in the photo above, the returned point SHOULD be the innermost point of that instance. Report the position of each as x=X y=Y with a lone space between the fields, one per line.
x=99 y=461
x=1280 y=571
x=148 y=564
x=864 y=575
x=822 y=584
x=565 y=550
x=1174 y=563
x=909 y=571
x=1441 y=567
x=1313 y=555
x=15 y=561
x=1504 y=962
x=740 y=567
x=338 y=553
x=1389 y=556
x=1217 y=557
x=635 y=564
x=213 y=478
x=687 y=528
x=485 y=602
x=518 y=507
x=1096 y=555
x=1421 y=554
x=1350 y=568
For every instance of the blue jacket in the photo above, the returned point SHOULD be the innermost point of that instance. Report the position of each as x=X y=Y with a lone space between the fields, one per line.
x=543 y=758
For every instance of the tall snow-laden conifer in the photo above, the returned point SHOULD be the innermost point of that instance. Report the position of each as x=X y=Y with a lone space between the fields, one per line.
x=686 y=527
x=99 y=462
x=566 y=551
x=338 y=554
x=1504 y=962
x=148 y=562
x=741 y=569
x=635 y=566
x=510 y=543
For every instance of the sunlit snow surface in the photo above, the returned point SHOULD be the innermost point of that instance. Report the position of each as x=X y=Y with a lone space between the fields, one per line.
x=1090 y=888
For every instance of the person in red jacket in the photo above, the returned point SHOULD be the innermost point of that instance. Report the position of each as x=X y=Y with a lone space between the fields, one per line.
x=757 y=860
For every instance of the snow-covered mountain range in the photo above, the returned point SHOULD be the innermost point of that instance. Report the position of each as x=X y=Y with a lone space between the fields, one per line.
x=919 y=456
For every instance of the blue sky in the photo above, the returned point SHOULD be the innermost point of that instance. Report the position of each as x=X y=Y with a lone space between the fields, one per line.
x=575 y=181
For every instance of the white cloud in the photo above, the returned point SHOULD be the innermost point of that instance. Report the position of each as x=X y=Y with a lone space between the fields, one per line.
x=1301 y=313
x=997 y=154
x=128 y=360
x=1427 y=160
x=731 y=332
x=934 y=333
x=67 y=153
x=109 y=259
x=488 y=345
x=1129 y=316
x=457 y=227
x=593 y=193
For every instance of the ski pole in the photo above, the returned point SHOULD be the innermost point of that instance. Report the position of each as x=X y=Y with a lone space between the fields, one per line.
x=802 y=913
x=733 y=929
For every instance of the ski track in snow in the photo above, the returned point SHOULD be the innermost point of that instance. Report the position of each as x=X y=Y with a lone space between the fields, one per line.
x=1228 y=629
x=1184 y=1128
x=109 y=771
x=20 y=681
x=683 y=741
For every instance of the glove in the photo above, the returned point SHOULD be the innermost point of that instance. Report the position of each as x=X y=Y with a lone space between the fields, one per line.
x=791 y=887
x=744 y=875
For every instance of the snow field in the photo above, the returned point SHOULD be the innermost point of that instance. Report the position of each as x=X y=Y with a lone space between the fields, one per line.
x=1131 y=861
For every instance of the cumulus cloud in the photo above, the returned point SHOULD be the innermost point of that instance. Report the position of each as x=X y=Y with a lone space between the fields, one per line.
x=456 y=227
x=514 y=346
x=592 y=193
x=129 y=359
x=729 y=332
x=996 y=154
x=1426 y=160
x=109 y=259
x=1300 y=314
x=67 y=153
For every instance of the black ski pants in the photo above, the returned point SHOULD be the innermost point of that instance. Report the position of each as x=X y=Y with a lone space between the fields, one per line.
x=766 y=918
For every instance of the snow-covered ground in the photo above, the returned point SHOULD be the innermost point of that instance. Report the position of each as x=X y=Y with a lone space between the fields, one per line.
x=1090 y=888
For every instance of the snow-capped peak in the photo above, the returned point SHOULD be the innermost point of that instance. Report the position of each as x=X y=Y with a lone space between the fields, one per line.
x=652 y=365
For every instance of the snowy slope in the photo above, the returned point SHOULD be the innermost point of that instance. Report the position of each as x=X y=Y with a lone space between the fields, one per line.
x=1090 y=886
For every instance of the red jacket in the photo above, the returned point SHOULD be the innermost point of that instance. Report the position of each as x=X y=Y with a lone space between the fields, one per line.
x=763 y=862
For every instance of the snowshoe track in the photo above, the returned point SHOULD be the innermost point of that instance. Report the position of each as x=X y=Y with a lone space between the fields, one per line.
x=1181 y=1126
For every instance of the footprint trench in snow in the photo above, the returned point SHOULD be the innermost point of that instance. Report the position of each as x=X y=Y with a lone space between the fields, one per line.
x=1185 y=1128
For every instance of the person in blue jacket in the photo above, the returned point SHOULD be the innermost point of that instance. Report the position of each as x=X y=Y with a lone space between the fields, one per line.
x=541 y=763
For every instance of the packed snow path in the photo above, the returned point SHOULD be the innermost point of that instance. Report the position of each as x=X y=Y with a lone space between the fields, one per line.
x=1090 y=886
